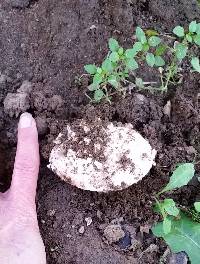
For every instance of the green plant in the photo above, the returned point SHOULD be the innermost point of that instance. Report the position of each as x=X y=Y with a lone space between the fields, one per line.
x=113 y=76
x=180 y=227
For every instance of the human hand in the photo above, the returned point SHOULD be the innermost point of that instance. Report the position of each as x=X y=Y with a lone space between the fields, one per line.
x=20 y=240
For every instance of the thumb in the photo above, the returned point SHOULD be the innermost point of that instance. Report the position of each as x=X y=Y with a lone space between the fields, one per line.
x=26 y=167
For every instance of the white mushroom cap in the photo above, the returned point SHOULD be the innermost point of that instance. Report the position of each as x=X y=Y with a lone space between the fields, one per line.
x=128 y=157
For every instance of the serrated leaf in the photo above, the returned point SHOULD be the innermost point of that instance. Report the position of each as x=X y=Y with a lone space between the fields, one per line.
x=92 y=87
x=160 y=50
x=132 y=64
x=197 y=206
x=198 y=29
x=184 y=236
x=181 y=51
x=188 y=37
x=137 y=47
x=130 y=53
x=193 y=26
x=170 y=207
x=113 y=81
x=197 y=39
x=167 y=224
x=113 y=44
x=150 y=59
x=180 y=177
x=195 y=64
x=141 y=35
x=98 y=95
x=114 y=57
x=159 y=61
x=90 y=68
x=154 y=41
x=97 y=79
x=107 y=66
x=139 y=83
x=179 y=31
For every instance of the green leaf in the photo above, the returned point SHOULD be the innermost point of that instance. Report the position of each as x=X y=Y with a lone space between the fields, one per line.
x=170 y=207
x=180 y=177
x=92 y=87
x=189 y=38
x=184 y=236
x=150 y=59
x=113 y=81
x=197 y=206
x=179 y=31
x=167 y=224
x=98 y=95
x=193 y=26
x=197 y=39
x=181 y=51
x=151 y=32
x=198 y=29
x=113 y=44
x=99 y=70
x=97 y=79
x=139 y=83
x=121 y=51
x=114 y=57
x=159 y=61
x=132 y=64
x=107 y=66
x=90 y=68
x=195 y=64
x=130 y=53
x=141 y=35
x=160 y=50
x=137 y=47
x=154 y=41
x=146 y=47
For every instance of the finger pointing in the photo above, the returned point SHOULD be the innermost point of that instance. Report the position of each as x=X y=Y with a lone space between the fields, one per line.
x=26 y=168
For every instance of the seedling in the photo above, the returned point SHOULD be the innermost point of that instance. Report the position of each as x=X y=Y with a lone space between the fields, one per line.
x=113 y=75
x=180 y=227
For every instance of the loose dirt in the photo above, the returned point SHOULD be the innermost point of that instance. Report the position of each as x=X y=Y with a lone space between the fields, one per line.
x=47 y=42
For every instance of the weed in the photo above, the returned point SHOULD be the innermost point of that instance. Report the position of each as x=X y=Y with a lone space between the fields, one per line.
x=180 y=227
x=113 y=75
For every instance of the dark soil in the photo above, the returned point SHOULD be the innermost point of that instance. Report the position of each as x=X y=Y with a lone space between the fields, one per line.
x=47 y=43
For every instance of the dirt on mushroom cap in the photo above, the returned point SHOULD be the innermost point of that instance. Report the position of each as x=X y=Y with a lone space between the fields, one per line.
x=101 y=156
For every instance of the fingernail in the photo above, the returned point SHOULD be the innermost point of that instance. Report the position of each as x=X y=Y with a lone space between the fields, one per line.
x=25 y=120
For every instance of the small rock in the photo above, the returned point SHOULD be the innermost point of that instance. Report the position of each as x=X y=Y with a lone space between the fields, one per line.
x=41 y=125
x=51 y=212
x=145 y=229
x=99 y=215
x=167 y=109
x=69 y=236
x=179 y=258
x=88 y=221
x=20 y=3
x=40 y=102
x=16 y=103
x=81 y=230
x=43 y=221
x=26 y=87
x=113 y=233
x=55 y=102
